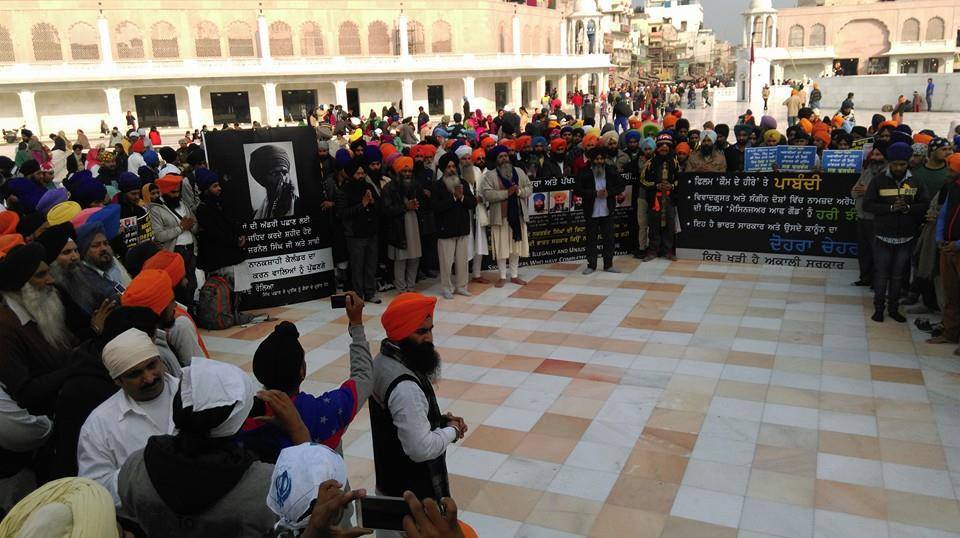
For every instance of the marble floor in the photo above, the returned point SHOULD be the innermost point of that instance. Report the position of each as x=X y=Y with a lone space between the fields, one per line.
x=675 y=399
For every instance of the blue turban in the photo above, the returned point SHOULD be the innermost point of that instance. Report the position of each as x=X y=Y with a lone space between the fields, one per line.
x=372 y=154
x=899 y=151
x=128 y=181
x=538 y=140
x=342 y=158
x=27 y=191
x=470 y=134
x=205 y=178
x=956 y=143
x=648 y=143
x=630 y=135
x=848 y=126
x=86 y=233
x=440 y=131
x=77 y=177
x=109 y=219
x=493 y=153
x=52 y=198
x=88 y=191
x=566 y=129
x=151 y=158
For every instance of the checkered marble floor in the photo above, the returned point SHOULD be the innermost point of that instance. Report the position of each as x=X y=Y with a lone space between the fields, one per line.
x=674 y=399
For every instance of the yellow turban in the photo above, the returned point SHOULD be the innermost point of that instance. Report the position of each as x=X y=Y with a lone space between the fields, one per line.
x=69 y=507
x=62 y=212
x=356 y=135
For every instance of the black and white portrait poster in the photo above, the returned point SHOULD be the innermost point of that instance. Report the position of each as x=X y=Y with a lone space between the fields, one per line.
x=269 y=183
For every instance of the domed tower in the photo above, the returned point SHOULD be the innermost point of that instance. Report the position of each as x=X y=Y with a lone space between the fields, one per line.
x=760 y=25
x=583 y=25
x=759 y=38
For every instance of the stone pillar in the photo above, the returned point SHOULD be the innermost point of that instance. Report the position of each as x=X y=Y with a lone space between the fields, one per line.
x=404 y=37
x=516 y=35
x=272 y=111
x=106 y=49
x=540 y=90
x=563 y=38
x=340 y=87
x=195 y=106
x=263 y=34
x=28 y=106
x=894 y=66
x=562 y=89
x=516 y=92
x=583 y=82
x=114 y=107
x=406 y=94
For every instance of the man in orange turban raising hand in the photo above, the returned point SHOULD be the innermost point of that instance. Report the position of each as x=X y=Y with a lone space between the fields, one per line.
x=410 y=435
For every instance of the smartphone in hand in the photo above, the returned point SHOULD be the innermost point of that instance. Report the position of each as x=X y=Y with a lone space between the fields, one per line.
x=383 y=513
x=338 y=301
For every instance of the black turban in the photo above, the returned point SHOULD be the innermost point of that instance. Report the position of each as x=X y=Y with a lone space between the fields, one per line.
x=19 y=265
x=265 y=159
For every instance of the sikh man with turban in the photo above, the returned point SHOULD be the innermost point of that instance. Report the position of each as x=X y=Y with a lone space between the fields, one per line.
x=598 y=187
x=183 y=337
x=453 y=202
x=139 y=410
x=270 y=168
x=401 y=205
x=410 y=435
x=506 y=189
x=659 y=178
x=471 y=169
x=65 y=507
x=175 y=228
x=707 y=157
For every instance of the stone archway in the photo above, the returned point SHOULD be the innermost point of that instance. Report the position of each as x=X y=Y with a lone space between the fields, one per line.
x=862 y=39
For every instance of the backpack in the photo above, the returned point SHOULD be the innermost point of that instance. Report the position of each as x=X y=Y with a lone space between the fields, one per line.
x=215 y=309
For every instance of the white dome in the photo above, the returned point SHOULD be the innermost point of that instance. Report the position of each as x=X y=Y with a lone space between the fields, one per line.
x=586 y=6
x=761 y=5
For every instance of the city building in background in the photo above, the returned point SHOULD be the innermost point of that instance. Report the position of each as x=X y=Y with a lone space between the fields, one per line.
x=677 y=43
x=179 y=63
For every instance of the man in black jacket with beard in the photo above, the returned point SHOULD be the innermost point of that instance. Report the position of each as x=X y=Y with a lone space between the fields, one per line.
x=659 y=177
x=221 y=239
x=598 y=186
x=358 y=207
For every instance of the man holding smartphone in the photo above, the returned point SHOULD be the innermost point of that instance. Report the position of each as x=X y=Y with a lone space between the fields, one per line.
x=410 y=435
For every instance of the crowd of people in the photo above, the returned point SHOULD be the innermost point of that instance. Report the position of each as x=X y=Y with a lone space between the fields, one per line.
x=111 y=404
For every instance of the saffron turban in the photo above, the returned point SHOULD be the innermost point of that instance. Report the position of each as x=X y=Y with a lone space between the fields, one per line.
x=557 y=145
x=170 y=263
x=151 y=289
x=62 y=212
x=7 y=242
x=127 y=350
x=824 y=137
x=669 y=121
x=478 y=154
x=402 y=163
x=683 y=148
x=589 y=140
x=921 y=138
x=8 y=222
x=953 y=162
x=170 y=182
x=487 y=143
x=387 y=150
x=405 y=314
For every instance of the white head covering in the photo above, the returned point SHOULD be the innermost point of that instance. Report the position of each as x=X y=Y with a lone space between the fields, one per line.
x=297 y=476
x=355 y=121
x=464 y=151
x=127 y=350
x=209 y=383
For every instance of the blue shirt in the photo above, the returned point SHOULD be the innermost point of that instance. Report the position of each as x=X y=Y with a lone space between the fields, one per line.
x=600 y=208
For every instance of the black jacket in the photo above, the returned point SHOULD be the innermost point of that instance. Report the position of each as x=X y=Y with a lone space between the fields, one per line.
x=394 y=210
x=425 y=180
x=586 y=189
x=879 y=198
x=452 y=216
x=218 y=239
x=74 y=164
x=357 y=220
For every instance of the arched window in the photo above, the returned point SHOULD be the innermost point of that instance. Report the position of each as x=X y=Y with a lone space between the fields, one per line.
x=911 y=30
x=757 y=35
x=591 y=37
x=240 y=39
x=6 y=46
x=768 y=42
x=378 y=39
x=207 y=40
x=416 y=42
x=281 y=39
x=349 y=39
x=163 y=40
x=935 y=29
x=311 y=39
x=46 y=43
x=129 y=40
x=442 y=38
x=502 y=46
x=795 y=39
x=549 y=48
x=818 y=35
x=84 y=42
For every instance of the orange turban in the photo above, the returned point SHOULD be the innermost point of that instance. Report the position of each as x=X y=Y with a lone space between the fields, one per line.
x=507 y=143
x=170 y=263
x=558 y=144
x=151 y=289
x=8 y=222
x=635 y=122
x=402 y=163
x=888 y=123
x=953 y=162
x=406 y=314
x=806 y=125
x=387 y=150
x=522 y=143
x=837 y=121
x=488 y=143
x=429 y=150
x=669 y=121
x=683 y=148
x=478 y=154
x=921 y=138
x=168 y=183
x=7 y=242
x=589 y=140
x=824 y=136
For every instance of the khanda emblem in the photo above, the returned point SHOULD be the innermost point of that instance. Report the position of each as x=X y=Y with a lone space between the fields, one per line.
x=284 y=486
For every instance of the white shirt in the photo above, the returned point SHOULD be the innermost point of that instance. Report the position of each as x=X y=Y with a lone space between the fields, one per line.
x=600 y=208
x=119 y=427
x=19 y=430
x=408 y=406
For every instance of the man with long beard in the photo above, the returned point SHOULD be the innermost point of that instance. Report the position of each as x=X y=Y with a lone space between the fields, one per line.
x=401 y=205
x=452 y=204
x=659 y=178
x=141 y=409
x=471 y=169
x=506 y=189
x=410 y=435
x=598 y=187
x=34 y=338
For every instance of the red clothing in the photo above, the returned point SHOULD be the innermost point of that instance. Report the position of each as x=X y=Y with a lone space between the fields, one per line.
x=577 y=99
x=155 y=138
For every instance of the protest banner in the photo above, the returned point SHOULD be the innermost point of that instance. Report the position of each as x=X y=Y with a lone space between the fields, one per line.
x=760 y=159
x=783 y=158
x=836 y=161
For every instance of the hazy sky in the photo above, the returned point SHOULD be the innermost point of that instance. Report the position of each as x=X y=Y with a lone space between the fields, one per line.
x=724 y=16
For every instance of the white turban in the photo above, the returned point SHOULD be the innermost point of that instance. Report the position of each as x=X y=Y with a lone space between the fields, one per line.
x=711 y=134
x=66 y=507
x=297 y=476
x=355 y=121
x=464 y=151
x=209 y=383
x=127 y=350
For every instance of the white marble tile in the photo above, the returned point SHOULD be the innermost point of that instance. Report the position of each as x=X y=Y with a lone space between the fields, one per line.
x=708 y=506
x=612 y=433
x=901 y=530
x=531 y=400
x=747 y=374
x=584 y=483
x=858 y=471
x=839 y=525
x=736 y=408
x=731 y=429
x=799 y=350
x=480 y=464
x=898 y=360
x=700 y=368
x=513 y=418
x=635 y=395
x=529 y=530
x=724 y=450
x=490 y=525
x=504 y=378
x=787 y=520
x=575 y=354
x=717 y=476
x=920 y=480
x=900 y=391
x=550 y=384
x=463 y=372
x=754 y=346
x=524 y=472
x=598 y=456
x=846 y=385
x=790 y=415
x=628 y=413
x=795 y=380
x=361 y=447
x=656 y=364
x=612 y=358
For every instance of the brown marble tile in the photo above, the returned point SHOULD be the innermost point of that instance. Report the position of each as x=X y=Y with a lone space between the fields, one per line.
x=582 y=341
x=677 y=326
x=487 y=394
x=514 y=335
x=506 y=501
x=847 y=403
x=576 y=407
x=494 y=439
x=464 y=488
x=664 y=350
x=790 y=396
x=585 y=388
x=899 y=409
x=707 y=354
x=909 y=453
x=621 y=346
x=561 y=426
x=565 y=513
x=923 y=510
x=519 y=363
x=908 y=430
x=891 y=374
x=754 y=360
x=452 y=388
x=776 y=435
x=678 y=527
x=479 y=331
x=639 y=493
x=754 y=392
x=862 y=501
x=848 y=444
x=666 y=441
x=752 y=333
x=559 y=368
x=676 y=420
x=616 y=520
x=545 y=447
x=781 y=487
x=655 y=465
x=605 y=374
x=481 y=358
x=640 y=323
x=786 y=460
x=583 y=303
x=545 y=337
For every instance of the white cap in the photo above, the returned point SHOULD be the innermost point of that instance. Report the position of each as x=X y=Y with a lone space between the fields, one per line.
x=297 y=476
